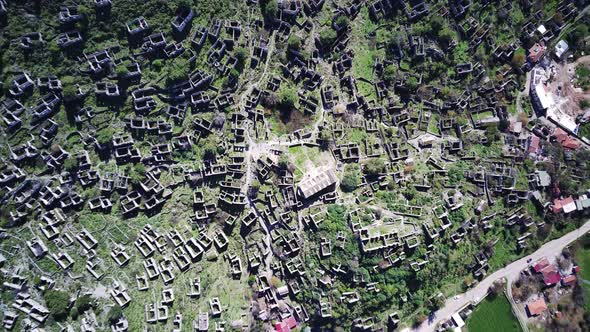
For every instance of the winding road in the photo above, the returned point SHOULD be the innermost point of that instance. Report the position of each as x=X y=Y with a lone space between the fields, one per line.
x=510 y=272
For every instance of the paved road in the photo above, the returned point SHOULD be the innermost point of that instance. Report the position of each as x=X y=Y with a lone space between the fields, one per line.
x=510 y=272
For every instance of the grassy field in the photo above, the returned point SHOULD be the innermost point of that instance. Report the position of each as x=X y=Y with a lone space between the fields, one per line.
x=582 y=255
x=493 y=314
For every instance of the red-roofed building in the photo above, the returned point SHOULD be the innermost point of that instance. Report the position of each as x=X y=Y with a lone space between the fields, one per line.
x=565 y=205
x=536 y=307
x=536 y=52
x=549 y=271
x=569 y=280
x=280 y=327
x=567 y=141
x=291 y=322
x=534 y=144
x=559 y=134
x=286 y=325
x=570 y=143
x=541 y=264
x=551 y=278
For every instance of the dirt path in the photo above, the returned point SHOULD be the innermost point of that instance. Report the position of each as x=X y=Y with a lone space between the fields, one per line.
x=510 y=272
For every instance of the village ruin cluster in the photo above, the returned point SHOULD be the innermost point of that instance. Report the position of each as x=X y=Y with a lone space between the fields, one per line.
x=281 y=165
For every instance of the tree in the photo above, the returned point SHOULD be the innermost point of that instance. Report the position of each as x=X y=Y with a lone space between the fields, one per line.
x=325 y=138
x=283 y=162
x=234 y=74
x=269 y=100
x=455 y=174
x=178 y=71
x=210 y=146
x=122 y=71
x=288 y=97
x=529 y=165
x=342 y=22
x=492 y=133
x=327 y=37
x=389 y=73
x=114 y=314
x=70 y=165
x=351 y=178
x=158 y=64
x=84 y=303
x=446 y=35
x=523 y=118
x=519 y=57
x=412 y=83
x=269 y=9
x=294 y=42
x=70 y=92
x=105 y=136
x=496 y=288
x=136 y=173
x=254 y=187
x=182 y=4
x=58 y=303
x=374 y=167
x=578 y=34
x=436 y=23
x=241 y=56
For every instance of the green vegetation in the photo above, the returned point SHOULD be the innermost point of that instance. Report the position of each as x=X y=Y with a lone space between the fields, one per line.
x=288 y=97
x=269 y=9
x=58 y=303
x=583 y=76
x=328 y=36
x=351 y=178
x=373 y=167
x=493 y=314
x=294 y=42
x=227 y=132
x=342 y=22
x=519 y=57
x=177 y=71
x=389 y=74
